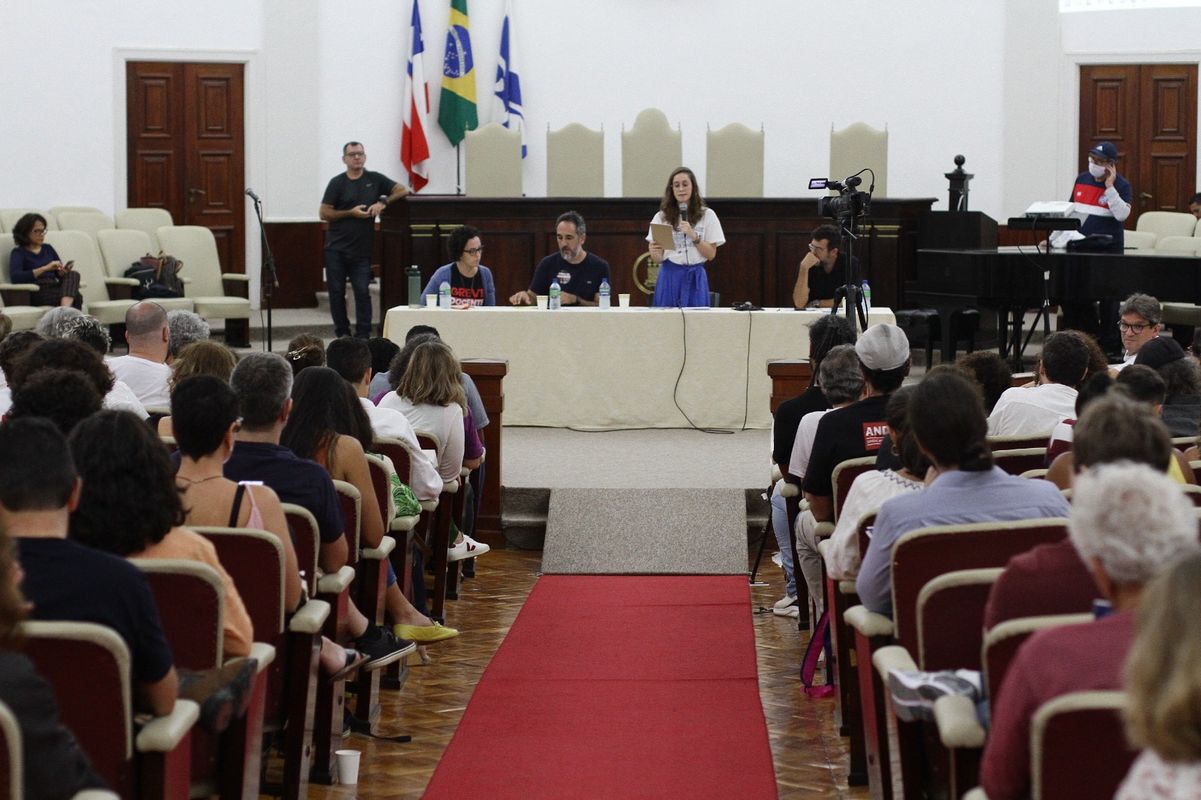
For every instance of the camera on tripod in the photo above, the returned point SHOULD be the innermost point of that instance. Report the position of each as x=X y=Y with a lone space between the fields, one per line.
x=850 y=203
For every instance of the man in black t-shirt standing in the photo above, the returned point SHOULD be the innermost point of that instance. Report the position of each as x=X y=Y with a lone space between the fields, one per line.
x=822 y=270
x=579 y=272
x=350 y=205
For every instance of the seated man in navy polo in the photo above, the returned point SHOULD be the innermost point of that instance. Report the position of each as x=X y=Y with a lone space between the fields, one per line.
x=579 y=273
x=66 y=581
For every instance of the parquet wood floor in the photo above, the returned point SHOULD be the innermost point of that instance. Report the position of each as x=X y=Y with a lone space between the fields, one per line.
x=810 y=757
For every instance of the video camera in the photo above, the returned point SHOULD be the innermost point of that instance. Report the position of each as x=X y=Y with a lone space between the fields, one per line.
x=850 y=203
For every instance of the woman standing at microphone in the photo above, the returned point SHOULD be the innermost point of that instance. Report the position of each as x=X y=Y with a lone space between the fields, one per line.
x=697 y=233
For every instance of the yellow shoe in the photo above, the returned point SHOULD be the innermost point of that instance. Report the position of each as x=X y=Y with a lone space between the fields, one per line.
x=425 y=634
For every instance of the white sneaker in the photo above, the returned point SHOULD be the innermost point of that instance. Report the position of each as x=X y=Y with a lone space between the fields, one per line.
x=791 y=611
x=775 y=559
x=785 y=601
x=468 y=548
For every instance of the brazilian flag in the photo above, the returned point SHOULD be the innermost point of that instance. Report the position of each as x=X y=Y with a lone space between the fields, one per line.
x=456 y=111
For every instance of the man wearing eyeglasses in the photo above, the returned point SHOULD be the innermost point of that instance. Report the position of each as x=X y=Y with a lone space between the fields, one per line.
x=1141 y=315
x=822 y=270
x=350 y=205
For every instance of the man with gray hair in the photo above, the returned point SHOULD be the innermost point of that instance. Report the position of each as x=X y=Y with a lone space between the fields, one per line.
x=263 y=384
x=1129 y=523
x=145 y=367
x=1139 y=321
x=579 y=273
x=183 y=328
x=53 y=324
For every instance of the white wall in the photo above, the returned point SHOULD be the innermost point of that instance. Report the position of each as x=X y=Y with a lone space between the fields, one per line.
x=995 y=81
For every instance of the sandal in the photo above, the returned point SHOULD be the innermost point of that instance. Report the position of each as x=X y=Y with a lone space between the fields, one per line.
x=354 y=659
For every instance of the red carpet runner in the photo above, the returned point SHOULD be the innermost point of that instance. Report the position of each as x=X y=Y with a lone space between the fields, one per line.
x=618 y=687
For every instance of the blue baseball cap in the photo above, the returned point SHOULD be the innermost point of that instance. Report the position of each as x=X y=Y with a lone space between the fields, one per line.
x=1105 y=151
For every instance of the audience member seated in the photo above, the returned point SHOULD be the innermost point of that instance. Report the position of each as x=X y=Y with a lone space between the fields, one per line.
x=826 y=333
x=34 y=261
x=871 y=489
x=946 y=416
x=53 y=323
x=6 y=325
x=842 y=384
x=1051 y=578
x=63 y=396
x=263 y=384
x=350 y=357
x=329 y=426
x=1182 y=383
x=990 y=372
x=130 y=507
x=74 y=355
x=145 y=367
x=205 y=357
x=430 y=395
x=12 y=348
x=475 y=404
x=1163 y=685
x=859 y=429
x=383 y=350
x=305 y=350
x=64 y=580
x=53 y=764
x=1129 y=523
x=94 y=334
x=1031 y=411
x=183 y=328
x=1140 y=318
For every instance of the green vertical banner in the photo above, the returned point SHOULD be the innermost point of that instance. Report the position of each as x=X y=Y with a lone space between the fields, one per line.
x=456 y=110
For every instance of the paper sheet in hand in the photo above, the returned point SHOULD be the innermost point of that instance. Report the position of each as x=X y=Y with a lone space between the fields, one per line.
x=663 y=235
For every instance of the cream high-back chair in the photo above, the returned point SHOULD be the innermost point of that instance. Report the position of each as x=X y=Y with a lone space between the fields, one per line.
x=208 y=287
x=9 y=217
x=1139 y=240
x=94 y=284
x=734 y=162
x=858 y=146
x=147 y=220
x=493 y=161
x=649 y=152
x=119 y=249
x=55 y=211
x=87 y=221
x=1178 y=245
x=1166 y=223
x=14 y=301
x=575 y=162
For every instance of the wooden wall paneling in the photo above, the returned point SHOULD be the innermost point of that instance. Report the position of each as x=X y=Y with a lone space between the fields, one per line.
x=1168 y=139
x=298 y=262
x=152 y=125
x=215 y=170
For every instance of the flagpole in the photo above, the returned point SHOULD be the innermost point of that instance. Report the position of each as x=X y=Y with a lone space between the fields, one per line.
x=458 y=172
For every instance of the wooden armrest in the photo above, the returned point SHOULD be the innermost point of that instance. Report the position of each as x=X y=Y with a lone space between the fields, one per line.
x=95 y=794
x=402 y=524
x=958 y=724
x=19 y=287
x=450 y=487
x=163 y=734
x=847 y=587
x=380 y=551
x=824 y=530
x=235 y=284
x=310 y=617
x=429 y=505
x=337 y=582
x=775 y=473
x=265 y=653
x=823 y=546
x=892 y=657
x=976 y=794
x=789 y=490
x=869 y=623
x=235 y=276
x=122 y=282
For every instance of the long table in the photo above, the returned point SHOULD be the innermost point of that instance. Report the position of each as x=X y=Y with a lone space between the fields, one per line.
x=621 y=368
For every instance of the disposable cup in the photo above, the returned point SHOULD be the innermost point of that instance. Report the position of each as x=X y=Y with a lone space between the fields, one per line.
x=348 y=766
x=431 y=301
x=623 y=300
x=543 y=300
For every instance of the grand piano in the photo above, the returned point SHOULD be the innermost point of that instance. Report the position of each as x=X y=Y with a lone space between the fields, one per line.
x=1010 y=280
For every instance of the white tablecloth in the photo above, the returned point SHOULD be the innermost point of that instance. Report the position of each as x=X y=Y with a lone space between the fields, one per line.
x=618 y=368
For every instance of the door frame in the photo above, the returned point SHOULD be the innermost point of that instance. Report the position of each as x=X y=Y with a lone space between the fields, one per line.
x=1069 y=92
x=254 y=131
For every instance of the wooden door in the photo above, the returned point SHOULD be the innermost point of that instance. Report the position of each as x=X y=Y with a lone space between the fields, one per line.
x=185 y=143
x=1149 y=111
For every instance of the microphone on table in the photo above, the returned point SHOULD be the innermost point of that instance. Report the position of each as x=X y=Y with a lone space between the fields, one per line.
x=250 y=193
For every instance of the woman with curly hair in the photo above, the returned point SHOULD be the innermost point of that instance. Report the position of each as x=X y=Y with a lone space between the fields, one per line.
x=696 y=235
x=330 y=426
x=131 y=507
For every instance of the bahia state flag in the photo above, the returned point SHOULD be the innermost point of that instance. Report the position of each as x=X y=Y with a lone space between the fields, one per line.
x=508 y=84
x=414 y=148
x=456 y=112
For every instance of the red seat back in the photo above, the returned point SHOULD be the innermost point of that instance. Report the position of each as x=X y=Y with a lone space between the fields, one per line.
x=350 y=501
x=845 y=474
x=1078 y=746
x=190 y=598
x=1017 y=461
x=395 y=450
x=11 y=787
x=1001 y=645
x=306 y=539
x=950 y=619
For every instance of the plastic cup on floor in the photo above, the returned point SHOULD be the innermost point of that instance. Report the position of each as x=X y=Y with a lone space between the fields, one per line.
x=431 y=301
x=543 y=300
x=348 y=766
x=623 y=300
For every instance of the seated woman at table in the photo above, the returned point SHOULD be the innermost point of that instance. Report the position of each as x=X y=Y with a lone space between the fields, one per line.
x=470 y=281
x=697 y=234
x=34 y=261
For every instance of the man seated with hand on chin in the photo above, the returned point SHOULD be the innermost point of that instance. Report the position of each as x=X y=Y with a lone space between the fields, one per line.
x=579 y=273
x=822 y=270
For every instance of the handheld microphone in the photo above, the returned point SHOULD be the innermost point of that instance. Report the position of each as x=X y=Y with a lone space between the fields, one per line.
x=250 y=193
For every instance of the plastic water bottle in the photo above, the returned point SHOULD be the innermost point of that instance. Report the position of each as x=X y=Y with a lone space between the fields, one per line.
x=867 y=298
x=603 y=294
x=414 y=276
x=553 y=301
x=444 y=295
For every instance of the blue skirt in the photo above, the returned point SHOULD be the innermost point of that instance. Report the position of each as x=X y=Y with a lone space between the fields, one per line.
x=681 y=286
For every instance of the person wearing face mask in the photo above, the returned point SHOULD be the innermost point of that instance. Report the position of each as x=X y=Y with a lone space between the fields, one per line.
x=697 y=234
x=578 y=272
